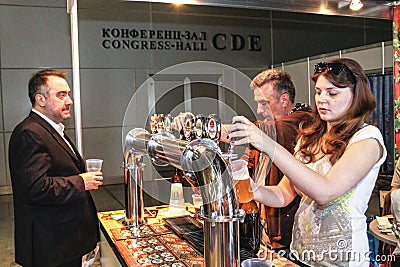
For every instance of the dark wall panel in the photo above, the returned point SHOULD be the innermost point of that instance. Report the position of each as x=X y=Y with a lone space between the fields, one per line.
x=301 y=35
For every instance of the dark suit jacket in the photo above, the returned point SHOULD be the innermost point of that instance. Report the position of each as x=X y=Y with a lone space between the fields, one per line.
x=55 y=218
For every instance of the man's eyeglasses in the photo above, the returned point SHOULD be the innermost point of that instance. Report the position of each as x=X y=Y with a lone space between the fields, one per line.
x=334 y=67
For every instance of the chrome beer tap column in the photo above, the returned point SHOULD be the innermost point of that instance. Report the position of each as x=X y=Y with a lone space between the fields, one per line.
x=135 y=148
x=133 y=180
x=202 y=163
x=139 y=142
x=201 y=160
x=221 y=214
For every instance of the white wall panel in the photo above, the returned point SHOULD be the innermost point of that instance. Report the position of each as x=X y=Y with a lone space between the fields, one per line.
x=53 y=3
x=16 y=101
x=15 y=97
x=33 y=37
x=93 y=54
x=388 y=57
x=105 y=95
x=370 y=59
x=238 y=82
x=137 y=109
x=301 y=78
x=3 y=167
x=105 y=143
x=7 y=137
x=1 y=106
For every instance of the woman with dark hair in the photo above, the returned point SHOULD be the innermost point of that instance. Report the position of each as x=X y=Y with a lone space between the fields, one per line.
x=334 y=168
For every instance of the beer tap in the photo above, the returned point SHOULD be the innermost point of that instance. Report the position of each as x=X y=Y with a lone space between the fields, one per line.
x=203 y=165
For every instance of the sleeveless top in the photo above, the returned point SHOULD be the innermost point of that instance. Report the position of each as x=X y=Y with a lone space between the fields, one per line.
x=335 y=234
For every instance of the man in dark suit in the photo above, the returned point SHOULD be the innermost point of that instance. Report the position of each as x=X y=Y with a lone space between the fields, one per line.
x=55 y=216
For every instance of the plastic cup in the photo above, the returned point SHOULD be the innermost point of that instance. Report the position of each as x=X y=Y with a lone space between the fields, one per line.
x=256 y=262
x=94 y=165
x=197 y=202
x=176 y=201
x=241 y=178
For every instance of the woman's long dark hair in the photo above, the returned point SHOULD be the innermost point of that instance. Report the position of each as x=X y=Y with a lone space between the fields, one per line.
x=339 y=136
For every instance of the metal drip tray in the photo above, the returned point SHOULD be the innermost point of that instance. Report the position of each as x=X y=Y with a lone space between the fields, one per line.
x=192 y=232
x=188 y=229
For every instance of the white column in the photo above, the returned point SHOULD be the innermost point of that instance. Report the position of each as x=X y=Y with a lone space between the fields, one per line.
x=187 y=94
x=72 y=9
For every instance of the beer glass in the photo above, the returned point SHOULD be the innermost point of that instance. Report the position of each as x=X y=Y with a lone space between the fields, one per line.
x=241 y=179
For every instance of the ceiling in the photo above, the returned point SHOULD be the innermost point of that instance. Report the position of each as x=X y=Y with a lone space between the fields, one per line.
x=379 y=9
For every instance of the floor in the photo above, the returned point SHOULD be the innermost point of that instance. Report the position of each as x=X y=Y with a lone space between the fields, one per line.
x=109 y=197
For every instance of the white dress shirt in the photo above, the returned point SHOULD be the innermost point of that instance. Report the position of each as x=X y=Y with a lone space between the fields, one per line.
x=58 y=127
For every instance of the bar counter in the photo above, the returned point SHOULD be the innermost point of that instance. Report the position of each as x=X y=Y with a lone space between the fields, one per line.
x=157 y=245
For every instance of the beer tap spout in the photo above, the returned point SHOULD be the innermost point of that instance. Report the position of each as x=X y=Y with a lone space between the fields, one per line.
x=203 y=159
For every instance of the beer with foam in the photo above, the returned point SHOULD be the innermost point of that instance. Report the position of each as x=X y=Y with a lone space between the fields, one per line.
x=241 y=179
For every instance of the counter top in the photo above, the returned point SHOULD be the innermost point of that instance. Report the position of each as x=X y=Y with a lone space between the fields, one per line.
x=155 y=244
x=152 y=245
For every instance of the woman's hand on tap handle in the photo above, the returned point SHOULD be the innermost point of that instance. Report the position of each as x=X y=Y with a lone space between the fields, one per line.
x=246 y=132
